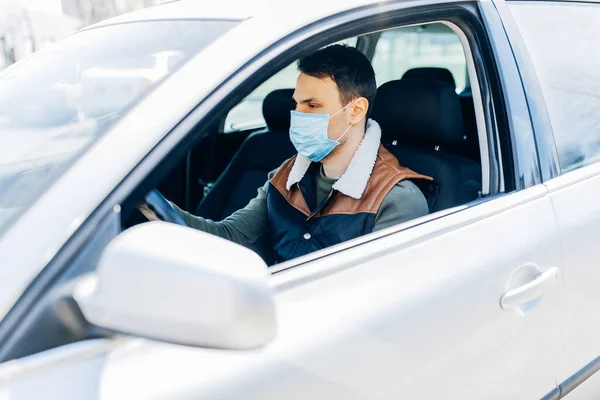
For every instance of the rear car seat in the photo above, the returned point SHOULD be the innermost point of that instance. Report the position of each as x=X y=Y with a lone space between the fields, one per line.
x=431 y=73
x=420 y=120
x=469 y=147
x=260 y=153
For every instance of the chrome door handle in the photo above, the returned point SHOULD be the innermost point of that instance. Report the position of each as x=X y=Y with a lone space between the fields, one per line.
x=530 y=291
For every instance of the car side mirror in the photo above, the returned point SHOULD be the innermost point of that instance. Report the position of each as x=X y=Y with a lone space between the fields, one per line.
x=178 y=285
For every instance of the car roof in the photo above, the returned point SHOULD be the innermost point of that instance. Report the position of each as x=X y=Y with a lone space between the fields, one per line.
x=307 y=10
x=236 y=10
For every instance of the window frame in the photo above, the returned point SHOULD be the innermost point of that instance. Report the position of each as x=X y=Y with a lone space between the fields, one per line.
x=186 y=134
x=547 y=152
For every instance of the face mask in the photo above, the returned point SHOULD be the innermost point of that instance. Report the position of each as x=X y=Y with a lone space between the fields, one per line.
x=308 y=133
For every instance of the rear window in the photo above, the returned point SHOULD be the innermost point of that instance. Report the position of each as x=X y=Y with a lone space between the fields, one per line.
x=562 y=40
x=431 y=45
x=62 y=99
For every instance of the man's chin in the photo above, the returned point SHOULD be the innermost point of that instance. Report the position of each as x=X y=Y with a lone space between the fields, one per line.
x=330 y=155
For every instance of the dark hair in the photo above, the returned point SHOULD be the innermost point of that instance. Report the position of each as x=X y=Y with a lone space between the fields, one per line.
x=347 y=67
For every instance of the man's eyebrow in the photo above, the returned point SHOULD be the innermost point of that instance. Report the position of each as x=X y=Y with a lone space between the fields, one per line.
x=310 y=99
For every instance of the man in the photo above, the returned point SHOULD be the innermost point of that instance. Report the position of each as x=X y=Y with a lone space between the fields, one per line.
x=342 y=184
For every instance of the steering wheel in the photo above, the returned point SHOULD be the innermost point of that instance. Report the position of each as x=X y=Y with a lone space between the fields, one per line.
x=163 y=208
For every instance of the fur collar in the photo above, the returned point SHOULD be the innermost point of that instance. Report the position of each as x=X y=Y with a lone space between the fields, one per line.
x=354 y=181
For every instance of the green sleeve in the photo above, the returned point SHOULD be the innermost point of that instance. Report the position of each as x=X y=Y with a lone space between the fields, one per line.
x=243 y=226
x=403 y=203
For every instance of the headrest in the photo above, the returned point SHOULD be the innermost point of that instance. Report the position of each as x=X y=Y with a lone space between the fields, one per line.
x=418 y=111
x=431 y=73
x=276 y=109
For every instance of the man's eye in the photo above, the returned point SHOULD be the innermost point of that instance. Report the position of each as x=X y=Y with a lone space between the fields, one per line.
x=312 y=106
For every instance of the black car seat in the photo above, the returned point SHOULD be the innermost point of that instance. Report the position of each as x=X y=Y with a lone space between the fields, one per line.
x=420 y=121
x=431 y=73
x=260 y=153
x=469 y=147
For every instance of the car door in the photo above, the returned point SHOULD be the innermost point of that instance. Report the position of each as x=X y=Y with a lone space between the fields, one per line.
x=559 y=42
x=461 y=306
x=419 y=314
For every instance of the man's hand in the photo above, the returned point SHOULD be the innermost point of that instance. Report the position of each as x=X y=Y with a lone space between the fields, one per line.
x=147 y=212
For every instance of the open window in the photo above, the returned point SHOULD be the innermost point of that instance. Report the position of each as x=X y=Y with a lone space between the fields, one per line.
x=429 y=107
x=430 y=51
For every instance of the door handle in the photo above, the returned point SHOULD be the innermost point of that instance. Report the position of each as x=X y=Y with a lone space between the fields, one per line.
x=530 y=291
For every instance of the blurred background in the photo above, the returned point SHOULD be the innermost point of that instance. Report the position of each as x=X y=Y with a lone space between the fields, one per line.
x=30 y=25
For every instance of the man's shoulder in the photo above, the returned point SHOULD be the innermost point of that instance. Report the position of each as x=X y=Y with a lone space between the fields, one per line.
x=407 y=187
x=388 y=164
x=407 y=194
x=404 y=202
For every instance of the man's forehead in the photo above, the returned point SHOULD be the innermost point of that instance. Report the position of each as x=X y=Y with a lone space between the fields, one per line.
x=310 y=87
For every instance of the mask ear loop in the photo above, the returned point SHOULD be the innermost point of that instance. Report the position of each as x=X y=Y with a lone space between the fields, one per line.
x=346 y=131
x=340 y=110
x=344 y=134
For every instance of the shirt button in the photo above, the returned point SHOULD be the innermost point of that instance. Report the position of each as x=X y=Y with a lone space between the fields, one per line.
x=307 y=236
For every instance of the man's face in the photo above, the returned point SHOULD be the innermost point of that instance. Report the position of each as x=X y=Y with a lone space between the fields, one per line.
x=321 y=96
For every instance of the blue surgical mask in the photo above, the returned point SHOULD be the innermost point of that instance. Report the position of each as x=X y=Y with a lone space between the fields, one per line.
x=308 y=133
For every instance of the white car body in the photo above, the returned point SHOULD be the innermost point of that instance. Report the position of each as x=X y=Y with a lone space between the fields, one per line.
x=408 y=312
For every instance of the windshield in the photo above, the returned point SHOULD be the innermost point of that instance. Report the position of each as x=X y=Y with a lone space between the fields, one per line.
x=59 y=101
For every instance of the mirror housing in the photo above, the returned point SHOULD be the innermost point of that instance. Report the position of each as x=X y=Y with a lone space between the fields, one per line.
x=178 y=285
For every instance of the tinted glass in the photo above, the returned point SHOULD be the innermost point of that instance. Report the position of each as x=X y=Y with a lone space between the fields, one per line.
x=562 y=40
x=62 y=99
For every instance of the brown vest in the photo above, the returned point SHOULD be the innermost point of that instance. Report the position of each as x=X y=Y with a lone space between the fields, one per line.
x=387 y=172
x=298 y=225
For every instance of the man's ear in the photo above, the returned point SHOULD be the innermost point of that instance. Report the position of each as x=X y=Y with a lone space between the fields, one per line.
x=359 y=110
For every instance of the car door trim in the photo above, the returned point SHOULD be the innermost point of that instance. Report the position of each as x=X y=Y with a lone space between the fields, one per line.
x=575 y=380
x=573 y=177
x=569 y=384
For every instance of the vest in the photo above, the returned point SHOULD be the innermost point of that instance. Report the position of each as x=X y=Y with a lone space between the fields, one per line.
x=298 y=225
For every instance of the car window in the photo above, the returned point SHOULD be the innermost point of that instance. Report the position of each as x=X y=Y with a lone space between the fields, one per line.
x=59 y=101
x=431 y=45
x=561 y=40
x=248 y=113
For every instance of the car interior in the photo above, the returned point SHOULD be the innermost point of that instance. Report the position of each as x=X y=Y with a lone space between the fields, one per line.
x=427 y=123
x=424 y=106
